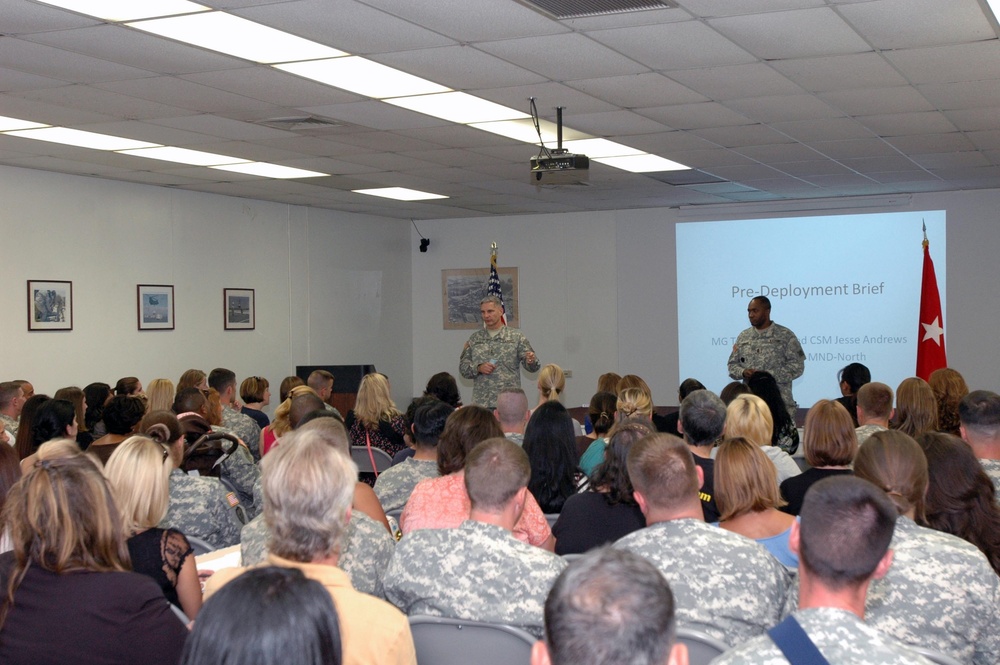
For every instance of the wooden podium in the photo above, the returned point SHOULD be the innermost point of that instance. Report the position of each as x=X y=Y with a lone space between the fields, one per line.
x=346 y=379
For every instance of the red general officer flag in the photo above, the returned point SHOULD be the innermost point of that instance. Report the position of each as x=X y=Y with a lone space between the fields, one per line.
x=930 y=344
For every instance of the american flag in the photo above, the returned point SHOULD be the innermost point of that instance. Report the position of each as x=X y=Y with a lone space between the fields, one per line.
x=493 y=287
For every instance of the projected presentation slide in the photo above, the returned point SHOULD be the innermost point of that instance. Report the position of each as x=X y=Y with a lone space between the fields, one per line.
x=848 y=286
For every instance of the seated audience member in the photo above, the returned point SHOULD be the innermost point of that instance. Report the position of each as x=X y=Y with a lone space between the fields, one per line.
x=702 y=423
x=851 y=379
x=321 y=381
x=128 y=385
x=10 y=473
x=608 y=383
x=69 y=594
x=159 y=395
x=281 y=424
x=238 y=469
x=746 y=489
x=27 y=389
x=784 y=435
x=394 y=485
x=444 y=387
x=308 y=487
x=199 y=506
x=843 y=544
x=512 y=413
x=97 y=397
x=979 y=415
x=687 y=387
x=267 y=616
x=193 y=378
x=55 y=419
x=830 y=446
x=243 y=426
x=79 y=400
x=367 y=544
x=874 y=402
x=286 y=386
x=961 y=499
x=916 y=408
x=375 y=420
x=443 y=503
x=550 y=444
x=632 y=381
x=940 y=592
x=609 y=511
x=749 y=417
x=121 y=416
x=411 y=409
x=139 y=475
x=611 y=606
x=634 y=403
x=601 y=415
x=23 y=441
x=255 y=392
x=733 y=390
x=726 y=585
x=551 y=383
x=949 y=390
x=12 y=399
x=478 y=571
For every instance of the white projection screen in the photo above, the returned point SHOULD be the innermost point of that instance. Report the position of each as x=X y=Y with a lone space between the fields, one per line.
x=848 y=286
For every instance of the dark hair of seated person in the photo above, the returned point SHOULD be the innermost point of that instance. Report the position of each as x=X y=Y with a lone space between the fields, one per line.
x=266 y=616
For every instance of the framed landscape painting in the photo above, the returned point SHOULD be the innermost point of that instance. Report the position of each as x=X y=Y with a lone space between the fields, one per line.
x=463 y=288
x=50 y=305
x=155 y=304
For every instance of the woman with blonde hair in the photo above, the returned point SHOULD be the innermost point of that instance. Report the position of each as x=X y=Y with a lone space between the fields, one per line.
x=830 y=446
x=748 y=416
x=746 y=491
x=633 y=403
x=375 y=420
x=159 y=395
x=139 y=474
x=551 y=383
x=630 y=381
x=949 y=389
x=916 y=408
x=281 y=424
x=70 y=567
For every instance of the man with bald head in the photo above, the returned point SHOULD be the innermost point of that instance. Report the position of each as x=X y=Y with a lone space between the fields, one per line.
x=512 y=413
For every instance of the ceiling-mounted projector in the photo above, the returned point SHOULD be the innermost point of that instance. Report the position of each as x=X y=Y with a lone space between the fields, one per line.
x=559 y=166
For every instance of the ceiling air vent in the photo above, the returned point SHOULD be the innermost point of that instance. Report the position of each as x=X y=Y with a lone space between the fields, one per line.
x=564 y=9
x=303 y=123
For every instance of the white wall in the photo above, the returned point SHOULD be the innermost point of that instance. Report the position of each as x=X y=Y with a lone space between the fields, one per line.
x=598 y=291
x=330 y=287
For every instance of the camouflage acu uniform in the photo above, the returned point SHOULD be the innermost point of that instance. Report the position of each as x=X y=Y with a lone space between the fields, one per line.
x=992 y=468
x=200 y=507
x=725 y=585
x=840 y=636
x=394 y=485
x=516 y=437
x=244 y=475
x=244 y=427
x=774 y=349
x=11 y=425
x=367 y=550
x=477 y=571
x=508 y=349
x=865 y=431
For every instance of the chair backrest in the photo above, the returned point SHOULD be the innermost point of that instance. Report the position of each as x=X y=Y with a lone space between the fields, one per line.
x=935 y=656
x=551 y=518
x=200 y=546
x=360 y=456
x=702 y=648
x=443 y=641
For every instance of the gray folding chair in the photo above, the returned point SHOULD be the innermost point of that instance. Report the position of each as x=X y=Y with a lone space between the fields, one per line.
x=702 y=648
x=361 y=457
x=935 y=656
x=442 y=641
x=200 y=546
x=551 y=518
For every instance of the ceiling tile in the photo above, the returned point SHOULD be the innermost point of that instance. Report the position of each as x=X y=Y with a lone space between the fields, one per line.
x=971 y=94
x=375 y=115
x=901 y=124
x=672 y=46
x=843 y=72
x=951 y=160
x=713 y=8
x=852 y=148
x=56 y=63
x=747 y=135
x=721 y=83
x=563 y=57
x=273 y=86
x=696 y=116
x=871 y=101
x=637 y=90
x=948 y=64
x=192 y=96
x=89 y=98
x=953 y=142
x=975 y=119
x=620 y=123
x=473 y=20
x=805 y=33
x=460 y=67
x=926 y=22
x=27 y=17
x=783 y=107
x=14 y=80
x=223 y=127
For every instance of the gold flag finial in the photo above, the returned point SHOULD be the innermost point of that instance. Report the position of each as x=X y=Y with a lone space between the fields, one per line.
x=493 y=250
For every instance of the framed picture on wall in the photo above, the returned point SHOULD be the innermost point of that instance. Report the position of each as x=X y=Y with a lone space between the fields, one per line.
x=238 y=309
x=463 y=288
x=50 y=305
x=155 y=304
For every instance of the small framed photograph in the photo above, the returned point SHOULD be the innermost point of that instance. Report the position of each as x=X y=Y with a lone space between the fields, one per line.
x=50 y=305
x=156 y=306
x=239 y=309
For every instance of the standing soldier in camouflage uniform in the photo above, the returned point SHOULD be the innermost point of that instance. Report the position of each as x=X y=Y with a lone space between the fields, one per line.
x=843 y=544
x=478 y=571
x=766 y=346
x=241 y=424
x=726 y=585
x=492 y=357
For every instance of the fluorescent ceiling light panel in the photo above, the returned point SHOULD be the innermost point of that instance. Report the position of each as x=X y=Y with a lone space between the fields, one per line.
x=641 y=163
x=265 y=170
x=10 y=124
x=237 y=36
x=459 y=107
x=364 y=77
x=184 y=156
x=524 y=130
x=400 y=193
x=128 y=10
x=80 y=138
x=594 y=148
